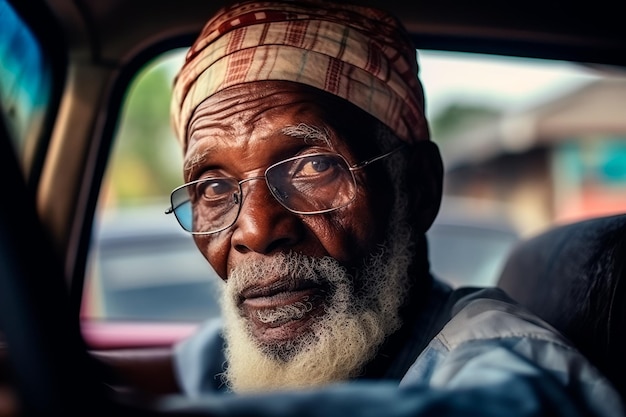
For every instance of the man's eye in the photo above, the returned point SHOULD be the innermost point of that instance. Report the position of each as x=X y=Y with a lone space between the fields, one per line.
x=315 y=166
x=215 y=189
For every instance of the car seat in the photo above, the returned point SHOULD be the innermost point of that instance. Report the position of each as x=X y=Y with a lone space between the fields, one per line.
x=572 y=276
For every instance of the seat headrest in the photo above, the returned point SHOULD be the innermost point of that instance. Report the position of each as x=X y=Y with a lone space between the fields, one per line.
x=572 y=277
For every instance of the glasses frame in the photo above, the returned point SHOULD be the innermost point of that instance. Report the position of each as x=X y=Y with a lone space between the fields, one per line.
x=352 y=168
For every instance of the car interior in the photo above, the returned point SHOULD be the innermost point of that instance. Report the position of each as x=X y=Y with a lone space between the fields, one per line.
x=57 y=135
x=572 y=276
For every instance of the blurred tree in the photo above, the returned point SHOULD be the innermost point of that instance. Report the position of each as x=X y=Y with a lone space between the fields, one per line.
x=457 y=117
x=146 y=162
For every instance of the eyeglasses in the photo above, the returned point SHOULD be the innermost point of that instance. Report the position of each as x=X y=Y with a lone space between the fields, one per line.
x=306 y=184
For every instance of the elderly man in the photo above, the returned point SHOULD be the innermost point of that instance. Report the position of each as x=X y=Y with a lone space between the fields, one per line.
x=310 y=184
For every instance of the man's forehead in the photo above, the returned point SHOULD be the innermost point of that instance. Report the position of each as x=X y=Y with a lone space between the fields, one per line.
x=267 y=107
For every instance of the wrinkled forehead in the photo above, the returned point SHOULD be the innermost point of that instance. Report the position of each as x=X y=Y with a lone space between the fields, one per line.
x=287 y=108
x=359 y=54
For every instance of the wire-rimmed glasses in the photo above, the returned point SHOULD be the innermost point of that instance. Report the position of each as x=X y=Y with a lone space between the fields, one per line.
x=304 y=184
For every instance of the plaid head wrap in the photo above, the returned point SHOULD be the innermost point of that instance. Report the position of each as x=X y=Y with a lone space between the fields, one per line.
x=357 y=53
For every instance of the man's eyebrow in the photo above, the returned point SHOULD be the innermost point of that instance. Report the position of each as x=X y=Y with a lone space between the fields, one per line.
x=310 y=134
x=195 y=159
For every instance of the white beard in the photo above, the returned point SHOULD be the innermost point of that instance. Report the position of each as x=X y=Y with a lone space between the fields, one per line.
x=343 y=340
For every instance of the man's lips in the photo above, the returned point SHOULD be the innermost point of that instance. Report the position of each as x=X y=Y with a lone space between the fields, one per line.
x=283 y=309
x=279 y=299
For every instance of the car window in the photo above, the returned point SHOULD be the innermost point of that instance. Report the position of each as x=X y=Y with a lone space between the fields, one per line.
x=142 y=265
x=535 y=160
x=25 y=82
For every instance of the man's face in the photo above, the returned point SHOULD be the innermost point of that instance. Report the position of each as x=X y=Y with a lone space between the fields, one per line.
x=303 y=292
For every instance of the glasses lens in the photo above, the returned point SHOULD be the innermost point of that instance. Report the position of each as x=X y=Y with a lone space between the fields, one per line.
x=312 y=183
x=207 y=205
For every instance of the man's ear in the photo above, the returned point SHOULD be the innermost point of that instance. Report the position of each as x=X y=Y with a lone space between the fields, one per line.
x=425 y=183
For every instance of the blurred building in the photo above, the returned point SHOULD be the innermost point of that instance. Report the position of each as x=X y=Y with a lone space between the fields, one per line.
x=559 y=161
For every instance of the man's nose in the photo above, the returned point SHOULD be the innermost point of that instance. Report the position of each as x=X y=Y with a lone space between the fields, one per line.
x=264 y=225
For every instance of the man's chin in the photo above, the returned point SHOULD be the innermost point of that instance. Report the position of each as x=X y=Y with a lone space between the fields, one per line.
x=284 y=342
x=332 y=348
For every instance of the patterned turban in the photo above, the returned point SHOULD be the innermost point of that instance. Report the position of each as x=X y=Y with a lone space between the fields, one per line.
x=360 y=54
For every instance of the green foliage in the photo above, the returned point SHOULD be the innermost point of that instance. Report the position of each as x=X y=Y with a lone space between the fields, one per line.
x=146 y=161
x=458 y=117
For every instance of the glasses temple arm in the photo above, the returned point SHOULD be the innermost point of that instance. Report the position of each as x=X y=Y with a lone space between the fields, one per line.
x=376 y=158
